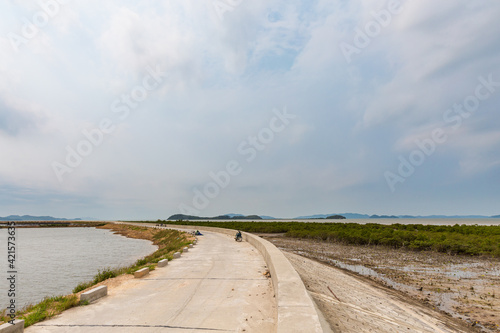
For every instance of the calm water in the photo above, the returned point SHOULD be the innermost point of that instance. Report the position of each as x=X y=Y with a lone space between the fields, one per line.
x=52 y=261
x=447 y=221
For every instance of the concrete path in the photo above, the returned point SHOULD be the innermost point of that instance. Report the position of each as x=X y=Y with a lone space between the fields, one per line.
x=218 y=286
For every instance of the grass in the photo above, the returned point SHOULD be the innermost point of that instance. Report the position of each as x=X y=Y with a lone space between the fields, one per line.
x=47 y=308
x=168 y=241
x=457 y=239
x=103 y=275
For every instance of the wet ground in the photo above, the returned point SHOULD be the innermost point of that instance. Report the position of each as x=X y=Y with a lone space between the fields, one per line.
x=467 y=288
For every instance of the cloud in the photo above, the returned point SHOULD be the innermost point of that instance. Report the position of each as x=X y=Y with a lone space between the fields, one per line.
x=12 y=122
x=224 y=76
x=433 y=46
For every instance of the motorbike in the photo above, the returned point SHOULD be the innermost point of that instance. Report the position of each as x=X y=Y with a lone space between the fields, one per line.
x=238 y=238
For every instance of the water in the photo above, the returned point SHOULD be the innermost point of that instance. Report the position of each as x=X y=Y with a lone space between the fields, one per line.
x=440 y=221
x=52 y=261
x=445 y=221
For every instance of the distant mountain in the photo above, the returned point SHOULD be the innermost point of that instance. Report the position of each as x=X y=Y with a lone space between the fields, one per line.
x=365 y=216
x=176 y=217
x=237 y=217
x=444 y=216
x=265 y=217
x=34 y=218
x=355 y=216
x=496 y=217
x=324 y=216
x=309 y=217
x=233 y=215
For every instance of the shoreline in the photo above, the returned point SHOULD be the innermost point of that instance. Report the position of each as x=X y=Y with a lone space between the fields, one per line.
x=52 y=224
x=122 y=273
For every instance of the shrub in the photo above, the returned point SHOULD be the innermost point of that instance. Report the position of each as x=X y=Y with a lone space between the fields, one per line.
x=456 y=239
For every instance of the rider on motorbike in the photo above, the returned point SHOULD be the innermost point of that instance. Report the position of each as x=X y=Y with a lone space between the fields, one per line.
x=238 y=235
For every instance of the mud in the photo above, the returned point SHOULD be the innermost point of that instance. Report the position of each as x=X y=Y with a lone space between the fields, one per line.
x=463 y=287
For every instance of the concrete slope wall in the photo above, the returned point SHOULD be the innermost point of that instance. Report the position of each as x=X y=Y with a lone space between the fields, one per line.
x=296 y=310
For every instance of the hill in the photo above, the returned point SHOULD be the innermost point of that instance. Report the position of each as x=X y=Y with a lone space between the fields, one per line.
x=384 y=217
x=325 y=216
x=183 y=217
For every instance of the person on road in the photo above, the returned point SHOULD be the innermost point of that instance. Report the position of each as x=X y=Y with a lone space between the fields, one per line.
x=238 y=235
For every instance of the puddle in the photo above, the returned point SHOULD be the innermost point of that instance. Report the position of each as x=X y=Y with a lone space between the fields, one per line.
x=360 y=269
x=444 y=300
x=453 y=271
x=466 y=288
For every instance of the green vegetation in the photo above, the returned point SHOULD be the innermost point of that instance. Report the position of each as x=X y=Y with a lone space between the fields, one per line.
x=168 y=241
x=456 y=239
x=47 y=308
x=107 y=273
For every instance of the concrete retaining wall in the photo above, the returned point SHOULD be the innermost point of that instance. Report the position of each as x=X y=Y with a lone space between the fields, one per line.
x=94 y=294
x=18 y=327
x=296 y=309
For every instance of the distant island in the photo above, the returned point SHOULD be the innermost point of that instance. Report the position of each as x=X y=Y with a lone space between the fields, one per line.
x=182 y=217
x=343 y=216
x=333 y=216
x=366 y=216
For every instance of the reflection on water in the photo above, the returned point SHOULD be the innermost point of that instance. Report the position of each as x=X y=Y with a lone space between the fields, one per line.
x=52 y=261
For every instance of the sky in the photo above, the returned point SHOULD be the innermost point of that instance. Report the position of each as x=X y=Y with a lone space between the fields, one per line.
x=144 y=109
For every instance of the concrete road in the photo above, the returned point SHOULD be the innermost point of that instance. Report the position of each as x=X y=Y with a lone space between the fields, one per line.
x=218 y=286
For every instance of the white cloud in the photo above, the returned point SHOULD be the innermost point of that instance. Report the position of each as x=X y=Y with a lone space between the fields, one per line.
x=439 y=56
x=224 y=77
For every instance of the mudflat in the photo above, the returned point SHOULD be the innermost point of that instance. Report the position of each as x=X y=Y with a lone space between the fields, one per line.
x=455 y=293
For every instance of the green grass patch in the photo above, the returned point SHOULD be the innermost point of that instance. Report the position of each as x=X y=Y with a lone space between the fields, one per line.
x=457 y=239
x=168 y=241
x=47 y=308
x=103 y=275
